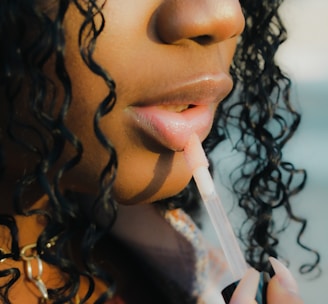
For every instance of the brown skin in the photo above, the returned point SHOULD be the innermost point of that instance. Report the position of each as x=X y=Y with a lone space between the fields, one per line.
x=142 y=56
x=140 y=62
x=147 y=46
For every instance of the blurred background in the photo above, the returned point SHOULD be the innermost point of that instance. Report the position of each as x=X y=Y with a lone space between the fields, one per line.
x=304 y=57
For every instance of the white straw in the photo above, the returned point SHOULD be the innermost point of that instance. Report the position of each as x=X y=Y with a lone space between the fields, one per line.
x=197 y=161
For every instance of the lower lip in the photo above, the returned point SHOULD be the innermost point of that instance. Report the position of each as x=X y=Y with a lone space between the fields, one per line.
x=171 y=129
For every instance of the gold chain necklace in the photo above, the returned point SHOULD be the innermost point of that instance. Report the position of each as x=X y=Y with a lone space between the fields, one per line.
x=28 y=254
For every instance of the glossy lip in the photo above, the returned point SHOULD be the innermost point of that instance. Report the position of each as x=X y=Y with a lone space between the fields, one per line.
x=154 y=117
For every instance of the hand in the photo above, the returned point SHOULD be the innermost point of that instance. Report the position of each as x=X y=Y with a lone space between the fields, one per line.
x=282 y=288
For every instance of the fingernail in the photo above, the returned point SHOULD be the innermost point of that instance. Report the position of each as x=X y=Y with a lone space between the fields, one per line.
x=247 y=287
x=284 y=276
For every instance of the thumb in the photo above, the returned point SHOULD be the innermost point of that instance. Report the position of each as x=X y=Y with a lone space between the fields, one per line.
x=282 y=287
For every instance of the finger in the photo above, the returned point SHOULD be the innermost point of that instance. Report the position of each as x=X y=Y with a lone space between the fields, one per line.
x=246 y=290
x=283 y=275
x=282 y=287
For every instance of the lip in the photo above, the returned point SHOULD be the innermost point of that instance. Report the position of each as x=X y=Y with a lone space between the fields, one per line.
x=154 y=117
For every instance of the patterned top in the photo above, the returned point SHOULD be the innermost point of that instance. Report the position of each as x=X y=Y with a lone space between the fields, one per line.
x=182 y=262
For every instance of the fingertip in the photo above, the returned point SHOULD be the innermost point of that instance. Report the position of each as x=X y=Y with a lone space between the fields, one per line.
x=284 y=276
x=247 y=288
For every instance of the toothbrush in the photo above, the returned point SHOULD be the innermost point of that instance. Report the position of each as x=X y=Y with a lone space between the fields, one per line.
x=198 y=163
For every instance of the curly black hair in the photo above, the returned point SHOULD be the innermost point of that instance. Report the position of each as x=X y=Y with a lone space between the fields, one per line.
x=262 y=117
x=33 y=33
x=32 y=37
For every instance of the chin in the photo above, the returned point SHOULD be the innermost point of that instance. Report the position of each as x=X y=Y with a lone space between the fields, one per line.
x=152 y=192
x=149 y=177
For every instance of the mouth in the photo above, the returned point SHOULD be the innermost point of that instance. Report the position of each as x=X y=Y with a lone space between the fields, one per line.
x=175 y=108
x=170 y=118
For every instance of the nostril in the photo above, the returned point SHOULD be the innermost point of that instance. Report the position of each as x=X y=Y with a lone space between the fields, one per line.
x=203 y=39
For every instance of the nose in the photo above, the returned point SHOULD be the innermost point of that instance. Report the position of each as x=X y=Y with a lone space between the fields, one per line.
x=203 y=21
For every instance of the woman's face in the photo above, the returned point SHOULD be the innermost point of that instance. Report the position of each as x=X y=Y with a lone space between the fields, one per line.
x=170 y=60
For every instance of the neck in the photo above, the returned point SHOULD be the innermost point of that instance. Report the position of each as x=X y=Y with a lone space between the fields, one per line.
x=29 y=227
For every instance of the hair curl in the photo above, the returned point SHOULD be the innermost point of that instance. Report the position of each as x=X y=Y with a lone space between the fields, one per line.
x=263 y=118
x=22 y=60
x=262 y=183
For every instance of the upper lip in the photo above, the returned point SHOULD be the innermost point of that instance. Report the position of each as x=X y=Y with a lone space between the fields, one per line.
x=202 y=90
